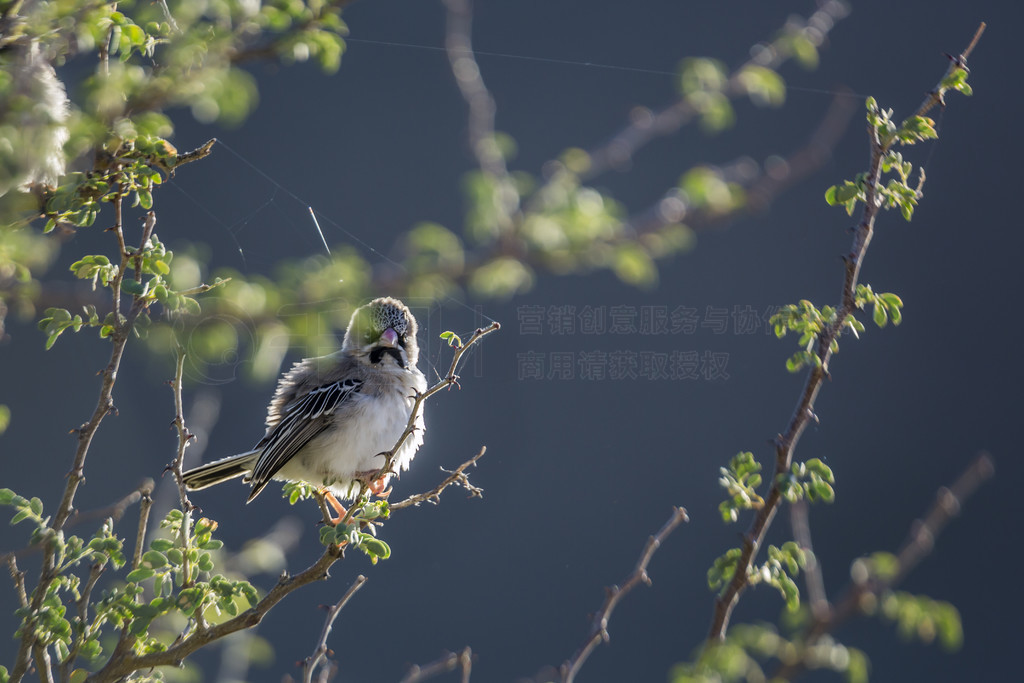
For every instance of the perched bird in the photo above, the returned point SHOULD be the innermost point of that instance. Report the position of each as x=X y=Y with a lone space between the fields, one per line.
x=332 y=417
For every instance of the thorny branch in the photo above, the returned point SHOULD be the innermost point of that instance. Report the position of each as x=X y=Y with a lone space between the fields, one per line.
x=321 y=652
x=919 y=543
x=786 y=443
x=599 y=625
x=448 y=662
x=18 y=577
x=457 y=477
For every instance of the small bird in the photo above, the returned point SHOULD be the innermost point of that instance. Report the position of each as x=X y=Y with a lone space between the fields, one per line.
x=333 y=417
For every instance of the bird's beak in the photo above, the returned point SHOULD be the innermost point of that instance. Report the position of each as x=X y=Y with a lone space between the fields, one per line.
x=389 y=338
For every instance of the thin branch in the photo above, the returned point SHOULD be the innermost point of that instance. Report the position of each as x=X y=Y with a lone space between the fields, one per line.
x=459 y=48
x=198 y=153
x=934 y=96
x=919 y=543
x=184 y=439
x=140 y=535
x=457 y=477
x=184 y=436
x=18 y=577
x=599 y=625
x=43 y=666
x=114 y=511
x=84 y=599
x=448 y=662
x=813 y=577
x=785 y=444
x=320 y=653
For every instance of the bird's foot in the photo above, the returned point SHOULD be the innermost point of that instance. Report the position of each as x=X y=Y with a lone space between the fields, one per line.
x=377 y=485
x=336 y=506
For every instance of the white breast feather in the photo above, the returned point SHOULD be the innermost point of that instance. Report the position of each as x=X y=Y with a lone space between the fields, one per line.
x=369 y=425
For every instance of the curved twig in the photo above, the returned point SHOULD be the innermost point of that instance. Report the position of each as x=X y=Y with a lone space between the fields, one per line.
x=320 y=653
x=599 y=624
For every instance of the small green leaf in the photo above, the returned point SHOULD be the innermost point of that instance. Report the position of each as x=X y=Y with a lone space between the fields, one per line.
x=134 y=287
x=154 y=559
x=162 y=544
x=140 y=574
x=879 y=316
x=818 y=467
x=21 y=516
x=375 y=548
x=452 y=339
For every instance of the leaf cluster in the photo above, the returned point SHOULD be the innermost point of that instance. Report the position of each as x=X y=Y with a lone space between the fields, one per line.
x=813 y=324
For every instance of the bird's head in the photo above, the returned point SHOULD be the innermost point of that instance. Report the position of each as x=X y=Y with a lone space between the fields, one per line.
x=381 y=330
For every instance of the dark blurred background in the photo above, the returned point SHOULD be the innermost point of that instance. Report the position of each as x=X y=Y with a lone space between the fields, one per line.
x=579 y=472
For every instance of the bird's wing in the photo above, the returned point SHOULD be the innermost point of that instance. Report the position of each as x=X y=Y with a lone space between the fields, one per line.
x=302 y=419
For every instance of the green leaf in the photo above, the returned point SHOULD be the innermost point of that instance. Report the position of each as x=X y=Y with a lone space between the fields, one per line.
x=154 y=559
x=21 y=516
x=375 y=548
x=140 y=574
x=134 y=287
x=452 y=339
x=162 y=544
x=818 y=467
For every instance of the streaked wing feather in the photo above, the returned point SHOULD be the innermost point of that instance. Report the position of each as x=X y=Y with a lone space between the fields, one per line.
x=303 y=420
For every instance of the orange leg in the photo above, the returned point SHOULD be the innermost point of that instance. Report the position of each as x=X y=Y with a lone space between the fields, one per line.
x=338 y=507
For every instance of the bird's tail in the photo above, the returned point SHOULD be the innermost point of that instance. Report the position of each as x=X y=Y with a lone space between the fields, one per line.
x=220 y=470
